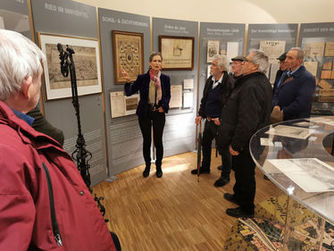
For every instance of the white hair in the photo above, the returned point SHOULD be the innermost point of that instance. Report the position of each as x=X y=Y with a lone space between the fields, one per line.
x=221 y=61
x=20 y=58
x=261 y=59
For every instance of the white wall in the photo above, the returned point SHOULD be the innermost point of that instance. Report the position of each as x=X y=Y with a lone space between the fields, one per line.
x=228 y=11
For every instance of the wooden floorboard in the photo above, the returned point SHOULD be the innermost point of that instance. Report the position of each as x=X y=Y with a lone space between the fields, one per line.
x=175 y=212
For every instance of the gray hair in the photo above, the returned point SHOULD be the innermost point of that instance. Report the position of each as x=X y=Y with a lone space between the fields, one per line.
x=261 y=59
x=300 y=52
x=221 y=61
x=20 y=58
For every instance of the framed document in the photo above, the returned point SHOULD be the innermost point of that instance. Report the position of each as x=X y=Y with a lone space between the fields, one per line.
x=212 y=50
x=86 y=60
x=128 y=54
x=177 y=52
x=121 y=105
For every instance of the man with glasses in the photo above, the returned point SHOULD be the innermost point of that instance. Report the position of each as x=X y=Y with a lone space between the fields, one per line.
x=247 y=110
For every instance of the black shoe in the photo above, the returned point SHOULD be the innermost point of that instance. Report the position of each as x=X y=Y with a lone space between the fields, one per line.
x=221 y=182
x=159 y=173
x=194 y=171
x=239 y=213
x=220 y=168
x=146 y=171
x=231 y=198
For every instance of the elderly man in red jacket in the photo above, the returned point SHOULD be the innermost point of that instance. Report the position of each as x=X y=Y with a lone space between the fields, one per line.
x=44 y=203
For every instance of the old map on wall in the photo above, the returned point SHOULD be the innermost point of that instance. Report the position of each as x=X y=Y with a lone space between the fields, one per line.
x=177 y=52
x=86 y=61
x=128 y=51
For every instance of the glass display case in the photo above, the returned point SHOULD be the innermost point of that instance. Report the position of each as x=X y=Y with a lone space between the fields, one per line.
x=297 y=157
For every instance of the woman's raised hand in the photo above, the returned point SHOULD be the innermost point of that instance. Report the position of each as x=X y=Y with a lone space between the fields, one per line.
x=125 y=75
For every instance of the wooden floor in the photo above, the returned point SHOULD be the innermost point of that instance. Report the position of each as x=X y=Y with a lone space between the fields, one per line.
x=175 y=212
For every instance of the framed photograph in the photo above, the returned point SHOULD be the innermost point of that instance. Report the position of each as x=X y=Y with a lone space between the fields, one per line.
x=177 y=52
x=212 y=50
x=128 y=54
x=87 y=66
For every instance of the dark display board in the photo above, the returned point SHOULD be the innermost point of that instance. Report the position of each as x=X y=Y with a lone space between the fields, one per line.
x=274 y=39
x=74 y=20
x=317 y=41
x=123 y=132
x=14 y=16
x=179 y=132
x=217 y=38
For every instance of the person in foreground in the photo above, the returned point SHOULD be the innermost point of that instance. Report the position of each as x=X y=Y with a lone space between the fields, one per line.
x=217 y=90
x=246 y=111
x=293 y=97
x=154 y=88
x=44 y=203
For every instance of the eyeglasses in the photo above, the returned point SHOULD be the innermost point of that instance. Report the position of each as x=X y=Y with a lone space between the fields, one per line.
x=249 y=61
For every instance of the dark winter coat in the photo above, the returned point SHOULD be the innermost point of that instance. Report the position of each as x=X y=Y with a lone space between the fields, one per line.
x=226 y=90
x=246 y=111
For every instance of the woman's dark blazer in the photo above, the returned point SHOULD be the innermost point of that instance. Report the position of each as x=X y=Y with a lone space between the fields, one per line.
x=142 y=85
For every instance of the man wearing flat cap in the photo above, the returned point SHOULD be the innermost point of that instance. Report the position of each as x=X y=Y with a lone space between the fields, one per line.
x=276 y=115
x=279 y=75
x=236 y=66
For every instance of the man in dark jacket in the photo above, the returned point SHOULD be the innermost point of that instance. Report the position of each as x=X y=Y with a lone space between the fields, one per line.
x=279 y=74
x=216 y=92
x=295 y=92
x=247 y=110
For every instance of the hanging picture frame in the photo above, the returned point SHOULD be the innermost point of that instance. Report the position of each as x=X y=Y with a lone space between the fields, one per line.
x=87 y=65
x=212 y=50
x=128 y=55
x=177 y=52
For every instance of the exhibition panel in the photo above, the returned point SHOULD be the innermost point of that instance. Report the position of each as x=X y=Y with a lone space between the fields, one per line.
x=317 y=40
x=218 y=38
x=125 y=44
x=74 y=24
x=178 y=42
x=274 y=40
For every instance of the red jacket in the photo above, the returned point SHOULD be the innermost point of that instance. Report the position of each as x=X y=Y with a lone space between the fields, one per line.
x=37 y=175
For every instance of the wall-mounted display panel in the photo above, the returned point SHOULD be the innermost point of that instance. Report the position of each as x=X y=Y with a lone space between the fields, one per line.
x=14 y=16
x=317 y=41
x=123 y=133
x=228 y=40
x=274 y=40
x=128 y=51
x=179 y=131
x=75 y=20
x=87 y=65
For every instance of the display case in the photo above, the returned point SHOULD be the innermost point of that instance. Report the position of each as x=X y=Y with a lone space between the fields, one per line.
x=297 y=157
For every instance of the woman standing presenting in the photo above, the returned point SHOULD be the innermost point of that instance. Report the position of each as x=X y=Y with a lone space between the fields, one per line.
x=154 y=88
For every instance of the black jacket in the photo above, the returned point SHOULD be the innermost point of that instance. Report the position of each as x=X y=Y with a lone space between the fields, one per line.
x=142 y=84
x=277 y=78
x=226 y=90
x=246 y=111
